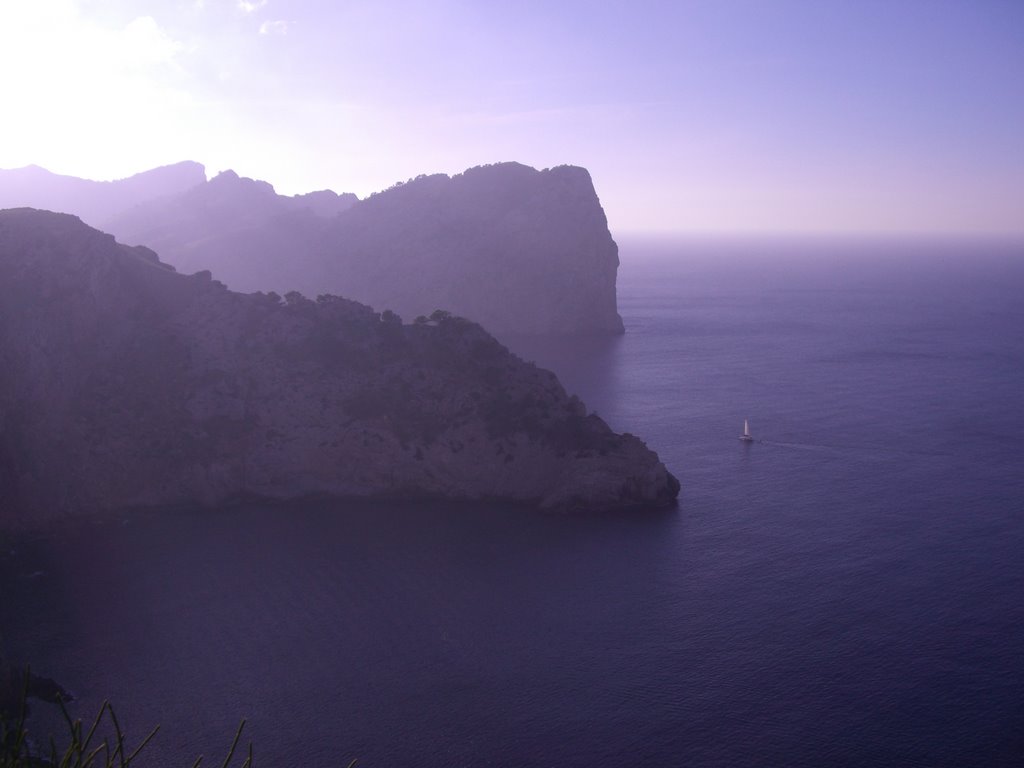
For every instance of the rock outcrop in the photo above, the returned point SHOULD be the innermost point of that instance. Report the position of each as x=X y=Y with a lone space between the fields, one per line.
x=123 y=383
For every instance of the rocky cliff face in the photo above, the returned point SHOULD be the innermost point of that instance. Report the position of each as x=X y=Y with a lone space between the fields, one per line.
x=518 y=250
x=124 y=383
x=515 y=249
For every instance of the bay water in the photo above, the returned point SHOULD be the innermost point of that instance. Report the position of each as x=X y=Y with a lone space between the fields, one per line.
x=847 y=590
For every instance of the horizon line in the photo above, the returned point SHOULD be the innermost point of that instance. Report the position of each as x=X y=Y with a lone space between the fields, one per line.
x=810 y=234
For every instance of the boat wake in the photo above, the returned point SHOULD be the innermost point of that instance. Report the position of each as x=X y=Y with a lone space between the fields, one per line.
x=859 y=451
x=845 y=449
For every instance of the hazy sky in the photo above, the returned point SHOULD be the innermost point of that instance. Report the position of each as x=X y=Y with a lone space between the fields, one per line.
x=863 y=115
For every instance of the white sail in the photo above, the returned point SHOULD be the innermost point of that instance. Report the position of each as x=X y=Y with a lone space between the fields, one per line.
x=745 y=437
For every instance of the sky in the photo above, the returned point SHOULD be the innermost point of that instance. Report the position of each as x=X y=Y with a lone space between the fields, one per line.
x=746 y=116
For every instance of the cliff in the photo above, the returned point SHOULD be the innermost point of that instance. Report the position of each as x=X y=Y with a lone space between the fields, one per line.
x=515 y=249
x=518 y=250
x=123 y=383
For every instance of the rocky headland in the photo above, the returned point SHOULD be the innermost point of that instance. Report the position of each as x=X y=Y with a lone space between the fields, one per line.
x=519 y=250
x=124 y=383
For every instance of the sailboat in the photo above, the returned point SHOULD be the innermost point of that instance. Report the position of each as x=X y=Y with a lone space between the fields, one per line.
x=745 y=437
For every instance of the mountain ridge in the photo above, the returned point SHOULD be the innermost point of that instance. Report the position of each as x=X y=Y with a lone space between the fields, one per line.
x=520 y=250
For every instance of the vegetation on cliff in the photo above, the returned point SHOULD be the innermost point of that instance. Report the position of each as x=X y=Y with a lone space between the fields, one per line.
x=125 y=383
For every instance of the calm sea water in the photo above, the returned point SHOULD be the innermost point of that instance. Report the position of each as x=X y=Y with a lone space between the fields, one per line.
x=848 y=590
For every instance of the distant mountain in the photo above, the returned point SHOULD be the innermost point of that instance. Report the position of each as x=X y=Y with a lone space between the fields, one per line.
x=94 y=202
x=519 y=250
x=515 y=249
x=124 y=383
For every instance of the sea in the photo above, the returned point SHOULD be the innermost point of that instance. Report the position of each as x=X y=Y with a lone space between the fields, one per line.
x=845 y=590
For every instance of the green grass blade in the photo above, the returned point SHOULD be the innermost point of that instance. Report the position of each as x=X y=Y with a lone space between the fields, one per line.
x=234 y=744
x=119 y=752
x=145 y=741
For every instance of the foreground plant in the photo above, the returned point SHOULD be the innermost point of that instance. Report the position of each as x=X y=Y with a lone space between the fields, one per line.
x=84 y=748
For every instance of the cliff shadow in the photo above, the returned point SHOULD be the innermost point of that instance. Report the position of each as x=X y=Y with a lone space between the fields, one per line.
x=587 y=365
